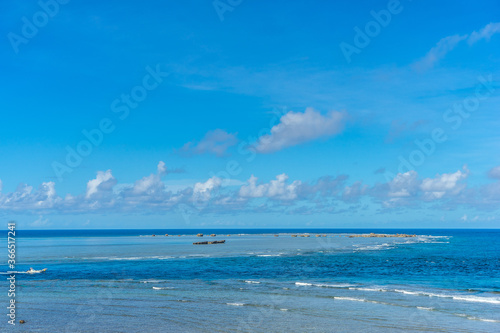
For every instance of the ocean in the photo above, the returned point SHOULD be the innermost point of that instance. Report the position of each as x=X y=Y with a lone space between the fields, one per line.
x=130 y=281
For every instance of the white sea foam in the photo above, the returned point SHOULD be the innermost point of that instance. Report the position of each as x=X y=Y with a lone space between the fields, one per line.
x=250 y=281
x=384 y=246
x=484 y=319
x=236 y=304
x=476 y=299
x=424 y=308
x=162 y=288
x=19 y=272
x=340 y=285
x=408 y=292
x=350 y=299
x=325 y=285
x=369 y=289
x=303 y=284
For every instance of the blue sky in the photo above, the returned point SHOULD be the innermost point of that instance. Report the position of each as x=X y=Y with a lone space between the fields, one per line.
x=250 y=114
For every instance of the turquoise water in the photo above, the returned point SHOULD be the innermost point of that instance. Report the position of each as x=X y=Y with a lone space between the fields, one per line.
x=129 y=281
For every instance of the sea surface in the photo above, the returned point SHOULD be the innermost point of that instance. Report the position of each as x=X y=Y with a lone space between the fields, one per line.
x=130 y=281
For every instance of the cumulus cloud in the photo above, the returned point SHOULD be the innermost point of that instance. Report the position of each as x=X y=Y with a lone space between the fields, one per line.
x=354 y=192
x=493 y=173
x=103 y=182
x=203 y=190
x=404 y=185
x=214 y=142
x=486 y=33
x=408 y=189
x=24 y=198
x=447 y=183
x=299 y=127
x=326 y=194
x=161 y=168
x=438 y=52
x=151 y=184
x=275 y=189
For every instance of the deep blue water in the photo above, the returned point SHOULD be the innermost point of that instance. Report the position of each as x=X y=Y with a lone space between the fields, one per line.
x=127 y=280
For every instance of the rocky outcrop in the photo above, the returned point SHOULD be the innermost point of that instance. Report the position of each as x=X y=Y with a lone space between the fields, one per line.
x=206 y=243
x=199 y=235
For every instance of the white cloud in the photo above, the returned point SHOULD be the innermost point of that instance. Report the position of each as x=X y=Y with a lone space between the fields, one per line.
x=277 y=189
x=447 y=183
x=438 y=52
x=299 y=127
x=25 y=199
x=326 y=194
x=151 y=184
x=161 y=168
x=354 y=192
x=486 y=33
x=104 y=181
x=203 y=190
x=406 y=189
x=253 y=190
x=447 y=44
x=214 y=142
x=493 y=173
x=404 y=185
x=46 y=195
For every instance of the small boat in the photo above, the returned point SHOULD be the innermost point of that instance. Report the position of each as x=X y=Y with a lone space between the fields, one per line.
x=34 y=271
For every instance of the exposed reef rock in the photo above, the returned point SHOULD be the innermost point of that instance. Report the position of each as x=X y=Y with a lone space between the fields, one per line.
x=213 y=242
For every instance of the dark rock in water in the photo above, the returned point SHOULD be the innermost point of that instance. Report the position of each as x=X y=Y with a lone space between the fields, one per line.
x=153 y=235
x=21 y=321
x=213 y=235
x=166 y=235
x=206 y=243
x=199 y=235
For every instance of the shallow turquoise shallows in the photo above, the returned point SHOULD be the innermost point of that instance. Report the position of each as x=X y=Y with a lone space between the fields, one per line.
x=129 y=281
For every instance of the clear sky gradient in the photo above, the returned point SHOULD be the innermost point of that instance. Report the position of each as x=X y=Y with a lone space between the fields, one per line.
x=189 y=114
